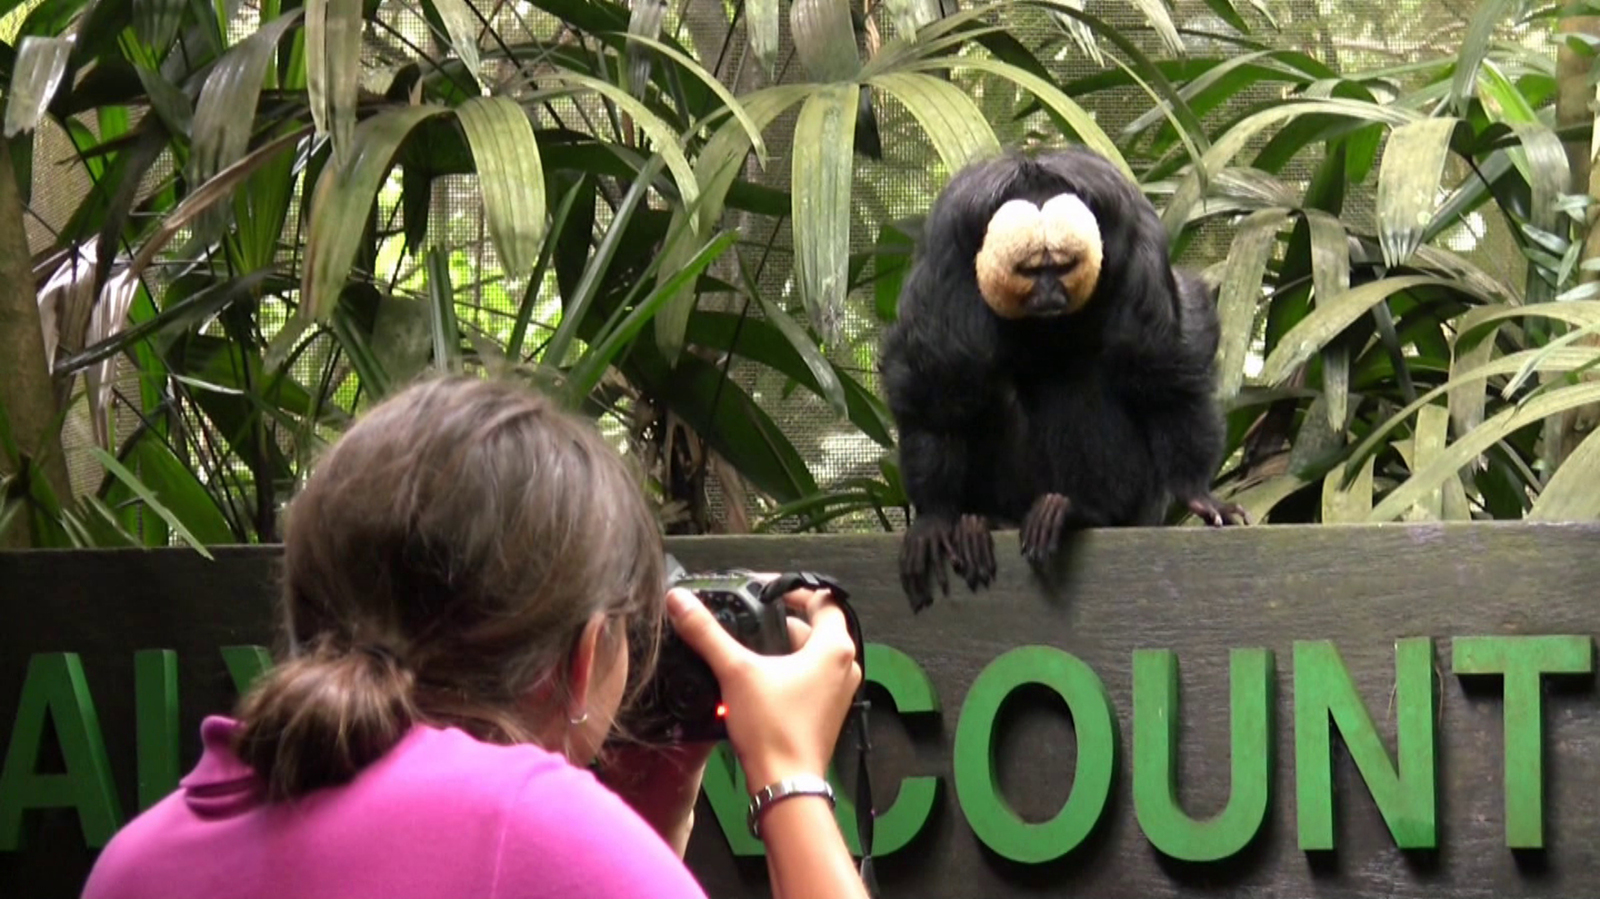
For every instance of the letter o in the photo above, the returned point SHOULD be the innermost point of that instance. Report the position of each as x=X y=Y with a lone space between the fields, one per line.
x=977 y=789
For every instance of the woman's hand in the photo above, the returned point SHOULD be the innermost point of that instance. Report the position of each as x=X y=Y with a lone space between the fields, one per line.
x=784 y=712
x=661 y=783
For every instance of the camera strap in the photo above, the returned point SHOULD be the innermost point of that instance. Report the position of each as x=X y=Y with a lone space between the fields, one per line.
x=857 y=719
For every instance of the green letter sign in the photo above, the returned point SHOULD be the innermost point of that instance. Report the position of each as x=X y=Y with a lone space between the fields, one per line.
x=908 y=685
x=155 y=689
x=994 y=821
x=1522 y=662
x=1322 y=688
x=1155 y=756
x=55 y=686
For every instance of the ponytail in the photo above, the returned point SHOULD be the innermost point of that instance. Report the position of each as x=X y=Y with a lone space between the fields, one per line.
x=318 y=719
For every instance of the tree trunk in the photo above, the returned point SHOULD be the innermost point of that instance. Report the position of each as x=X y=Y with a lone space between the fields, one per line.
x=26 y=391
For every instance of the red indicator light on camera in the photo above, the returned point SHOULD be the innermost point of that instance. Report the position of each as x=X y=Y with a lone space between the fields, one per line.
x=722 y=710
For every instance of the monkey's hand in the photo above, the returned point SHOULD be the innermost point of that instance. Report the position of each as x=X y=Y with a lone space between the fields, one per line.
x=1216 y=513
x=1043 y=526
x=932 y=540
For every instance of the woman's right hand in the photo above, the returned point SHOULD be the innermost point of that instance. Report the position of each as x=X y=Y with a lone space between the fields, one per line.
x=784 y=712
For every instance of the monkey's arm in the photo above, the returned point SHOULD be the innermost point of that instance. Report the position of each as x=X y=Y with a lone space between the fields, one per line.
x=938 y=394
x=1169 y=378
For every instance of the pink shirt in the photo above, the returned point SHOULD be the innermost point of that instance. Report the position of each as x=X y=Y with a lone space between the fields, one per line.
x=440 y=815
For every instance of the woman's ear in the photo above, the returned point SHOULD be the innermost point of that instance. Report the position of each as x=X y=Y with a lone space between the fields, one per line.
x=581 y=673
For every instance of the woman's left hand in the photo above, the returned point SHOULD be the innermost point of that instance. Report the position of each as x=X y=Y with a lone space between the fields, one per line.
x=661 y=783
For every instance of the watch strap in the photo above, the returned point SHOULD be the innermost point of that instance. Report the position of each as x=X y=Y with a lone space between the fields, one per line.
x=799 y=785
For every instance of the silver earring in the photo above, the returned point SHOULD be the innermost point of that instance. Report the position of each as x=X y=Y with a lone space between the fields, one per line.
x=579 y=720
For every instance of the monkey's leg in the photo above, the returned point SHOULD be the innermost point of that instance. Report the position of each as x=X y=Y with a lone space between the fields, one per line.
x=1050 y=517
x=1215 y=512
x=923 y=551
x=972 y=551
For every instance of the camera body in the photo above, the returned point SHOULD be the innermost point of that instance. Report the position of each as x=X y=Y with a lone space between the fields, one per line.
x=682 y=702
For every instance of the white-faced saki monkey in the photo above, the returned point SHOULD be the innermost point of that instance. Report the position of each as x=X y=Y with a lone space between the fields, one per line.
x=1049 y=368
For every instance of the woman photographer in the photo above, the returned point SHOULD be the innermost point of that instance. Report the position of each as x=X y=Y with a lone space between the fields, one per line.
x=463 y=574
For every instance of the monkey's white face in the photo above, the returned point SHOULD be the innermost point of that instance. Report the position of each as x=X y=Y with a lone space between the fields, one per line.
x=1026 y=245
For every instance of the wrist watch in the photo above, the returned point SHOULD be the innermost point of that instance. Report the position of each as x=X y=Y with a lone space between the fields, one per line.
x=799 y=785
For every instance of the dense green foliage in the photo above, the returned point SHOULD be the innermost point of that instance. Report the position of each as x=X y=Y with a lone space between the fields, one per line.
x=263 y=248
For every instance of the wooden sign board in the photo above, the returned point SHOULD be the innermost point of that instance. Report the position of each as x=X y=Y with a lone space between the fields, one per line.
x=1403 y=710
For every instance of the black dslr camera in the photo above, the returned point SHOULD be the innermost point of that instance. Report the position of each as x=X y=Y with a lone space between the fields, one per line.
x=682 y=702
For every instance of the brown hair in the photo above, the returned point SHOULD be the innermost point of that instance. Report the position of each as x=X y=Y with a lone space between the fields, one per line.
x=440 y=565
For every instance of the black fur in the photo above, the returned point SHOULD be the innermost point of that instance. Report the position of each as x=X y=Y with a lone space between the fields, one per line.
x=1096 y=419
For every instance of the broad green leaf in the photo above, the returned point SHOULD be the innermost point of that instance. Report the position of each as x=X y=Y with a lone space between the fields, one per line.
x=1314 y=442
x=188 y=312
x=169 y=103
x=342 y=203
x=1541 y=157
x=1260 y=499
x=667 y=141
x=261 y=209
x=156 y=22
x=510 y=176
x=442 y=312
x=1346 y=505
x=1474 y=48
x=1220 y=81
x=40 y=65
x=730 y=420
x=952 y=121
x=1226 y=11
x=644 y=21
x=225 y=116
x=891 y=260
x=1448 y=501
x=826 y=379
x=333 y=70
x=588 y=371
x=1573 y=493
x=730 y=103
x=1081 y=123
x=1155 y=12
x=1565 y=340
x=174 y=484
x=208 y=194
x=1079 y=32
x=357 y=344
x=1475 y=332
x=1329 y=319
x=760 y=341
x=761 y=30
x=1408 y=185
x=718 y=165
x=461 y=24
x=133 y=483
x=531 y=293
x=109 y=319
x=1471 y=444
x=1468 y=380
x=910 y=16
x=823 y=174
x=576 y=307
x=1151 y=78
x=1240 y=293
x=1246 y=130
x=1330 y=278
x=825 y=39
